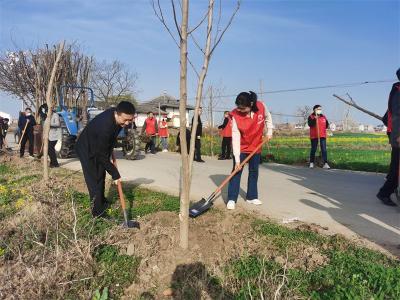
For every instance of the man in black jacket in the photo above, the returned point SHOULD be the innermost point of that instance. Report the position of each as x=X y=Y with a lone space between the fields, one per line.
x=94 y=148
x=199 y=134
x=28 y=120
x=393 y=177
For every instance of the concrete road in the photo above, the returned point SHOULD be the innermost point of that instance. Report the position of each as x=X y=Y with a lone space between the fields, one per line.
x=343 y=201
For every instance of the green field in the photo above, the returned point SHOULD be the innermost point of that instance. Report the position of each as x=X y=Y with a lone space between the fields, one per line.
x=351 y=151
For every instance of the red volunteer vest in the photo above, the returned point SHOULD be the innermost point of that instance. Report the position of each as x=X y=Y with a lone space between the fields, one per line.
x=162 y=132
x=251 y=129
x=227 y=131
x=150 y=126
x=321 y=125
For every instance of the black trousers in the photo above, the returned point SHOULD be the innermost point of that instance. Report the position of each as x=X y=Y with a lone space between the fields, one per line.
x=226 y=147
x=151 y=145
x=197 y=149
x=28 y=136
x=314 y=146
x=1 y=141
x=392 y=178
x=95 y=176
x=52 y=153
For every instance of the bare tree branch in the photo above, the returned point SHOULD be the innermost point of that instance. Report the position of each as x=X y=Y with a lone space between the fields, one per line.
x=175 y=19
x=111 y=80
x=200 y=23
x=226 y=27
x=355 y=105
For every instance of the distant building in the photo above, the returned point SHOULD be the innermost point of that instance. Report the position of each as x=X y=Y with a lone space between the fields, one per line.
x=165 y=105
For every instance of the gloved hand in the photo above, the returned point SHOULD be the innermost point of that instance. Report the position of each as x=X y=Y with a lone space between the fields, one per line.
x=198 y=137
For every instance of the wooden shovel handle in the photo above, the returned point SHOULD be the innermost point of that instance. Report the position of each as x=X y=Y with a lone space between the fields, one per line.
x=119 y=186
x=23 y=132
x=241 y=166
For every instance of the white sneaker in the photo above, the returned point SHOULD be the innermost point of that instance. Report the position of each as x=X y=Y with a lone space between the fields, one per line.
x=311 y=165
x=254 y=201
x=165 y=150
x=231 y=204
x=326 y=166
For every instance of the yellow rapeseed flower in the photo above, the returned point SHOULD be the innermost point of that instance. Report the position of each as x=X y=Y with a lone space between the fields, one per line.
x=3 y=189
x=19 y=203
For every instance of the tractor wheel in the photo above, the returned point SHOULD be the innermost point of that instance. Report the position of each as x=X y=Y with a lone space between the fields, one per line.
x=130 y=145
x=67 y=142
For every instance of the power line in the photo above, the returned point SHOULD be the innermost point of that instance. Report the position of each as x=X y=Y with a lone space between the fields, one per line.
x=310 y=88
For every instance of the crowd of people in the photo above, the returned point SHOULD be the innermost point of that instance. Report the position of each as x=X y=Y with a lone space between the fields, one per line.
x=243 y=130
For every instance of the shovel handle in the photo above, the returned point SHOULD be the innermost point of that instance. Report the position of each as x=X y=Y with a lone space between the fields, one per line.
x=119 y=187
x=23 y=132
x=241 y=166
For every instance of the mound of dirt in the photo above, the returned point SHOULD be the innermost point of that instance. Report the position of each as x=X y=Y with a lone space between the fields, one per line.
x=215 y=239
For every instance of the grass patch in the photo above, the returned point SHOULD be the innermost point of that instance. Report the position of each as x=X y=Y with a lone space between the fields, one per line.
x=284 y=237
x=142 y=202
x=115 y=270
x=351 y=272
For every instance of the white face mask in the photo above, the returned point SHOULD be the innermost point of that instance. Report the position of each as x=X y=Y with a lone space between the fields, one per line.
x=27 y=114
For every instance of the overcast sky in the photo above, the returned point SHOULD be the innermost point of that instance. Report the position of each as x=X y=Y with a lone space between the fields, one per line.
x=286 y=44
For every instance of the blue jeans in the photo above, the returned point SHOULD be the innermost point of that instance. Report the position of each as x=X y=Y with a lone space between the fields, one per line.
x=314 y=145
x=234 y=183
x=164 y=143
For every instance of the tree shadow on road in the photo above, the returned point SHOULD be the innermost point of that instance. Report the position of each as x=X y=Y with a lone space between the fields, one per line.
x=349 y=198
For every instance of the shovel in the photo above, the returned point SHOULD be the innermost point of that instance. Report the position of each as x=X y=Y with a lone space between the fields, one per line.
x=205 y=204
x=127 y=223
x=269 y=155
x=23 y=132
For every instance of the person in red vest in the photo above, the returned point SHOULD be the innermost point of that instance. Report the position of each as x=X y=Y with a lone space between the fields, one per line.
x=226 y=133
x=318 y=134
x=392 y=179
x=251 y=121
x=150 y=128
x=163 y=133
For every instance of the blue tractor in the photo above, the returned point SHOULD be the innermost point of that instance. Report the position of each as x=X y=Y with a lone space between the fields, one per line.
x=74 y=117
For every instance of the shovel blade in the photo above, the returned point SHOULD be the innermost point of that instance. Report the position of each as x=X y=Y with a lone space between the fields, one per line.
x=199 y=207
x=132 y=224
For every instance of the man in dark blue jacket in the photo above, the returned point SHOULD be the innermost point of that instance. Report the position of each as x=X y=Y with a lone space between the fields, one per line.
x=393 y=177
x=29 y=121
x=94 y=148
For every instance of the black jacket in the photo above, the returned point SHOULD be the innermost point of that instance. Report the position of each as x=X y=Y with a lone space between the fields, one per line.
x=199 y=130
x=22 y=121
x=226 y=121
x=98 y=139
x=394 y=108
x=312 y=122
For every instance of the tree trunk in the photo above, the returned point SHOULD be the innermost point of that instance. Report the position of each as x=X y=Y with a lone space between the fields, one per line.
x=200 y=84
x=49 y=102
x=185 y=179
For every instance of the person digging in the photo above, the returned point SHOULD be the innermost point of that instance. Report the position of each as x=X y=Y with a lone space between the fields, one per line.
x=94 y=149
x=318 y=124
x=251 y=123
